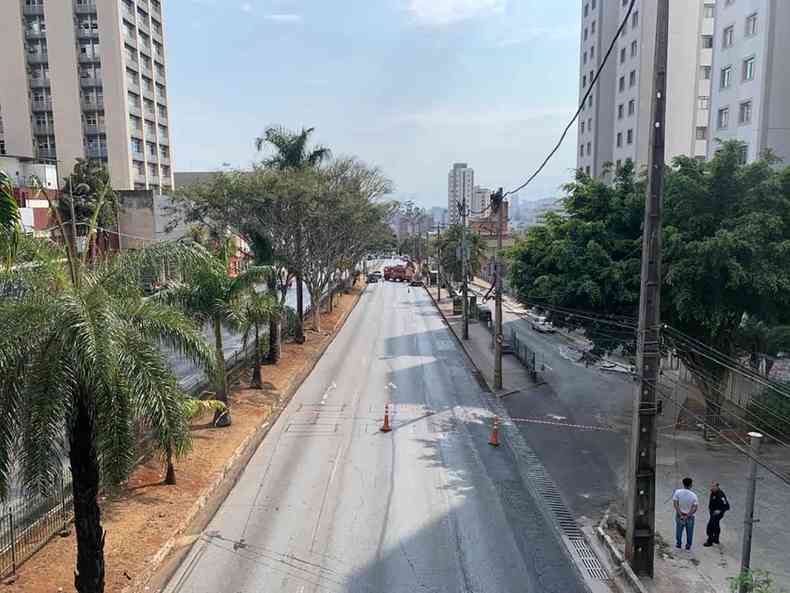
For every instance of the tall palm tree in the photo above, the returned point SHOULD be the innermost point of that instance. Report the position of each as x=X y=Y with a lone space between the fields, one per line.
x=210 y=295
x=258 y=310
x=291 y=152
x=81 y=370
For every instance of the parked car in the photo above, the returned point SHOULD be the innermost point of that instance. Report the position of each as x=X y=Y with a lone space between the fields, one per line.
x=542 y=325
x=376 y=273
x=372 y=278
x=416 y=282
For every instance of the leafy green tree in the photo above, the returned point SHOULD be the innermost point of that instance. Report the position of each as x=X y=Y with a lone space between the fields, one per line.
x=726 y=255
x=81 y=370
x=449 y=245
x=210 y=295
x=292 y=153
x=89 y=191
x=9 y=221
x=762 y=343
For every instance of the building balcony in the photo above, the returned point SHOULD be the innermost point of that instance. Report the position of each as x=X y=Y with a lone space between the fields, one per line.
x=37 y=10
x=143 y=25
x=89 y=58
x=39 y=83
x=85 y=8
x=90 y=81
x=148 y=94
x=146 y=70
x=45 y=105
x=140 y=178
x=164 y=160
x=87 y=33
x=133 y=86
x=157 y=35
x=136 y=132
x=46 y=153
x=144 y=49
x=164 y=140
x=138 y=156
x=38 y=58
x=94 y=129
x=163 y=119
x=43 y=129
x=35 y=34
x=92 y=104
x=96 y=152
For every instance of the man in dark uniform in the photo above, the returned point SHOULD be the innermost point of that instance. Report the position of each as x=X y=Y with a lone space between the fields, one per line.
x=717 y=506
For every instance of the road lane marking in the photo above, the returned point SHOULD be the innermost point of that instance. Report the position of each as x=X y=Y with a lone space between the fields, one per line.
x=329 y=389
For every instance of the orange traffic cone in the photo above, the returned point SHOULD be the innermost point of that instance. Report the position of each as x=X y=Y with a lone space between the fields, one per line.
x=494 y=439
x=386 y=426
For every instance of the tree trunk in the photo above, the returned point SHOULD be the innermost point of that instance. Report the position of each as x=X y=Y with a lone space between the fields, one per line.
x=316 y=309
x=170 y=474
x=221 y=419
x=299 y=289
x=256 y=368
x=275 y=347
x=89 y=576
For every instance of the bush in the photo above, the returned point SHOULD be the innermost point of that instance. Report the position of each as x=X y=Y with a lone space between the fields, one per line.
x=771 y=412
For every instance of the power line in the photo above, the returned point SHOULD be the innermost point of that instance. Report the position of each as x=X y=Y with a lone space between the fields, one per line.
x=584 y=100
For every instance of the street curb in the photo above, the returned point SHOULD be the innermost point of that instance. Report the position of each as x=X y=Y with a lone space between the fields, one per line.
x=205 y=507
x=617 y=557
x=501 y=411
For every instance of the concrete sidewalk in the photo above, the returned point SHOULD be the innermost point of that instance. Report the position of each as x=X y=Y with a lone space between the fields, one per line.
x=680 y=454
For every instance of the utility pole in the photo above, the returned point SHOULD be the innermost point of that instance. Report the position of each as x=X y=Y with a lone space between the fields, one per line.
x=641 y=485
x=498 y=206
x=465 y=284
x=438 y=263
x=748 y=521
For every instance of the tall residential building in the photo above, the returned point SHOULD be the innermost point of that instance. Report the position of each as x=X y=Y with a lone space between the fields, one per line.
x=481 y=196
x=87 y=79
x=751 y=84
x=615 y=122
x=460 y=184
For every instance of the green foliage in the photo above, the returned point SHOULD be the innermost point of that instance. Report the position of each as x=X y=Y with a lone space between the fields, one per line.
x=89 y=184
x=9 y=221
x=726 y=253
x=772 y=411
x=291 y=149
x=756 y=581
x=449 y=242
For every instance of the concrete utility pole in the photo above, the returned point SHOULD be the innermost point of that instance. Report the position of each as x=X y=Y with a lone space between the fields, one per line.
x=498 y=206
x=748 y=519
x=438 y=264
x=465 y=284
x=641 y=503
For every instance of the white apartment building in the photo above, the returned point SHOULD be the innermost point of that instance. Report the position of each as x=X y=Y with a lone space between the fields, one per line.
x=615 y=123
x=460 y=186
x=481 y=196
x=751 y=83
x=87 y=79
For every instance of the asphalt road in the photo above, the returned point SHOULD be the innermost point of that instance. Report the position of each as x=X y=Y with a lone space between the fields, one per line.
x=328 y=503
x=587 y=465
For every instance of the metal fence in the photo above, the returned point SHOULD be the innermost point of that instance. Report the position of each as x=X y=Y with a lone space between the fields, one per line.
x=29 y=522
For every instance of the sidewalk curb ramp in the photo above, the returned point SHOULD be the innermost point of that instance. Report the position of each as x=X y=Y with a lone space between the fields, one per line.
x=617 y=558
x=157 y=572
x=540 y=485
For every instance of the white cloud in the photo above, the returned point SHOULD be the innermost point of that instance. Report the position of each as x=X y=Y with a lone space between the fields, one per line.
x=283 y=18
x=533 y=33
x=246 y=7
x=445 y=12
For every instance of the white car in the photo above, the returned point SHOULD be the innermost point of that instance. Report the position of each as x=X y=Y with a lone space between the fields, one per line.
x=541 y=325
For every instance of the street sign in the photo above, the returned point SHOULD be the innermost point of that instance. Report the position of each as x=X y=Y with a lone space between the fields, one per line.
x=500 y=338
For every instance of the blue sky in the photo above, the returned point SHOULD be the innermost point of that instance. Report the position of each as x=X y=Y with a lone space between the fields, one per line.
x=409 y=85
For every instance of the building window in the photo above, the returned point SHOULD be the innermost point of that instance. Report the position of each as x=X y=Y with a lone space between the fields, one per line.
x=592 y=28
x=704 y=72
x=620 y=111
x=581 y=150
x=619 y=139
x=589 y=148
x=629 y=137
x=709 y=11
x=622 y=55
x=631 y=106
x=589 y=124
x=589 y=101
x=702 y=133
x=634 y=45
x=137 y=146
x=582 y=127
x=748 y=68
x=584 y=57
x=622 y=84
x=586 y=10
x=726 y=77
x=745 y=113
x=723 y=120
x=751 y=25
x=585 y=34
x=584 y=80
x=728 y=37
x=632 y=78
x=619 y=164
x=707 y=41
x=587 y=169
x=593 y=4
x=635 y=19
x=703 y=102
x=592 y=52
x=743 y=154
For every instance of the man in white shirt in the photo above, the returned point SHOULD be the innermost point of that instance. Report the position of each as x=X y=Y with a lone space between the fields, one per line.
x=686 y=504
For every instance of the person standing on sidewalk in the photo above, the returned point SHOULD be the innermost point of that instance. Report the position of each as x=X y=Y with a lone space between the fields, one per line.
x=717 y=506
x=686 y=504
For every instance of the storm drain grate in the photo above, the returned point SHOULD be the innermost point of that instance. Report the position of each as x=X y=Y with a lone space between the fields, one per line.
x=589 y=560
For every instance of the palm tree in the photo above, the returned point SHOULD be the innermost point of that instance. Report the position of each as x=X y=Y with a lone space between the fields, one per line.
x=258 y=309
x=81 y=371
x=210 y=295
x=292 y=153
x=9 y=221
